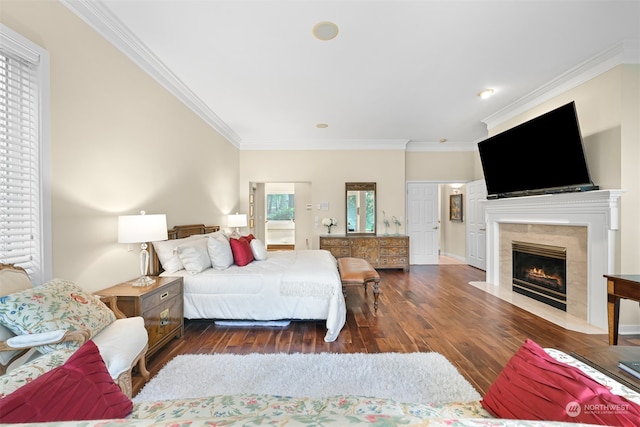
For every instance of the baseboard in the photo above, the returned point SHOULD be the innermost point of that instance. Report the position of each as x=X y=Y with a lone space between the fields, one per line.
x=454 y=256
x=629 y=330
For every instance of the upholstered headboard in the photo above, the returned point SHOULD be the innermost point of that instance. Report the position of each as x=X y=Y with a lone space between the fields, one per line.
x=179 y=232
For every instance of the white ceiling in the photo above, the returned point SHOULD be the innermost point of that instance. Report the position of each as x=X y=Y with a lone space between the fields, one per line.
x=398 y=72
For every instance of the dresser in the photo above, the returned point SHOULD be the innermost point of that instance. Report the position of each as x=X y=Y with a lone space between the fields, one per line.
x=160 y=304
x=379 y=251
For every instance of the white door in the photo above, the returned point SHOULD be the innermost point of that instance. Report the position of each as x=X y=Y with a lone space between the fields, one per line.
x=476 y=226
x=422 y=222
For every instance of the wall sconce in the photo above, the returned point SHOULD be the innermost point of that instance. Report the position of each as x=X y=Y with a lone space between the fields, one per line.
x=142 y=229
x=456 y=188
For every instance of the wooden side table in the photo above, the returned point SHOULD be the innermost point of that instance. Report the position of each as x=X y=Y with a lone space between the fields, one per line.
x=160 y=304
x=619 y=286
x=606 y=359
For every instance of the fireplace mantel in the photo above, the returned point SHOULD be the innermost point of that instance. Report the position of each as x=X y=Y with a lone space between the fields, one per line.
x=596 y=210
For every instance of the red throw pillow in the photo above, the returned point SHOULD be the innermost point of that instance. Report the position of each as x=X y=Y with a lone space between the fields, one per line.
x=535 y=386
x=241 y=250
x=81 y=389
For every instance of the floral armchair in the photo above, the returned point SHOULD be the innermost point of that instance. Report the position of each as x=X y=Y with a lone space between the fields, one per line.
x=41 y=327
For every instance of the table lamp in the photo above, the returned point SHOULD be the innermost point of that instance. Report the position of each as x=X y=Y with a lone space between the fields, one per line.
x=236 y=220
x=142 y=229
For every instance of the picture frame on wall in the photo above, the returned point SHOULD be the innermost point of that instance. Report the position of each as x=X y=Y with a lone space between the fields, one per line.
x=455 y=207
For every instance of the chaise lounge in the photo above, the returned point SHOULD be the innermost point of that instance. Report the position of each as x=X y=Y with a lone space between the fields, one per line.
x=41 y=327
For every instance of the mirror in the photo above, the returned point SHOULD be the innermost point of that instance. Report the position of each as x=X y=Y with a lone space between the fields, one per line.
x=361 y=207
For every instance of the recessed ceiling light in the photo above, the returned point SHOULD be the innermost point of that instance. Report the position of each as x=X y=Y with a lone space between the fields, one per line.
x=322 y=125
x=325 y=30
x=443 y=140
x=486 y=93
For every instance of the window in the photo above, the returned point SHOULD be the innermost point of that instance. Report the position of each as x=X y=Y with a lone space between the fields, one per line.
x=24 y=141
x=280 y=207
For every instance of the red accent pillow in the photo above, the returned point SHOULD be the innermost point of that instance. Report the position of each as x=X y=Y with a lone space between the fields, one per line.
x=535 y=386
x=241 y=250
x=81 y=389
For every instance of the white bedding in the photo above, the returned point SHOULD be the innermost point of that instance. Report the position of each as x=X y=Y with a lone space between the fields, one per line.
x=296 y=285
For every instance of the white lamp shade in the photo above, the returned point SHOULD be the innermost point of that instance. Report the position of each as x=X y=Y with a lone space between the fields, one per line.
x=237 y=220
x=142 y=228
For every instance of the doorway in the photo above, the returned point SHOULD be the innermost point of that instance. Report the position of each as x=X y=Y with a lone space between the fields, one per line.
x=435 y=236
x=280 y=214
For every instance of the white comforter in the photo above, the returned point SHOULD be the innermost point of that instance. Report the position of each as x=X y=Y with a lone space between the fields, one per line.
x=297 y=285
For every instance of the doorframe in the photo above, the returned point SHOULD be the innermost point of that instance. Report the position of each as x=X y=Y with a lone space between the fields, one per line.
x=440 y=182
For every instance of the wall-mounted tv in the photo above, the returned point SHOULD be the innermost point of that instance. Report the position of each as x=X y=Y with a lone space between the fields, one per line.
x=541 y=156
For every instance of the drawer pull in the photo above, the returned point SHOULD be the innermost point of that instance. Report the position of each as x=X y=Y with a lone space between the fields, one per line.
x=164 y=295
x=164 y=317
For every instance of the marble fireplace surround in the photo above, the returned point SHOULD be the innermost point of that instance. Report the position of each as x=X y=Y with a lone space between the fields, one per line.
x=596 y=212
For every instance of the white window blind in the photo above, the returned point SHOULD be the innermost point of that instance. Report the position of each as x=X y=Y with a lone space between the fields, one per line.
x=20 y=183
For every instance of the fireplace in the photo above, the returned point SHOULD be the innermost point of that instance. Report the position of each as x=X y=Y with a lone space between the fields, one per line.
x=595 y=211
x=540 y=272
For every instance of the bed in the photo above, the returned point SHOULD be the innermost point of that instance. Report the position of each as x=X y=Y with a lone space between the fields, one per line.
x=280 y=285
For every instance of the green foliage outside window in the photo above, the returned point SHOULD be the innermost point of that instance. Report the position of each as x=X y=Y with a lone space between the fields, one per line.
x=352 y=204
x=280 y=207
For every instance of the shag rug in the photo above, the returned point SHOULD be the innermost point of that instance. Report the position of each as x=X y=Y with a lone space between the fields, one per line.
x=404 y=377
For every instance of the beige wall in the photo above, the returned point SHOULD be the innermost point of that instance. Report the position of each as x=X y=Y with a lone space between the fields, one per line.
x=608 y=108
x=116 y=137
x=327 y=172
x=449 y=167
x=455 y=166
x=453 y=234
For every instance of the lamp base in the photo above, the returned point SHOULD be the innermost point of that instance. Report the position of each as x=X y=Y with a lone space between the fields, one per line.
x=143 y=281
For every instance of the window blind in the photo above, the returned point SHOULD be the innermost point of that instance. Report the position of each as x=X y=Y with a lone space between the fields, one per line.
x=20 y=234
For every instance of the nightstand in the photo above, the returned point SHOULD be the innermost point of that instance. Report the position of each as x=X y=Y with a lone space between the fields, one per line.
x=160 y=304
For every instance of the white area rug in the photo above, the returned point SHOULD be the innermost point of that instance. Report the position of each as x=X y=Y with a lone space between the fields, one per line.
x=410 y=377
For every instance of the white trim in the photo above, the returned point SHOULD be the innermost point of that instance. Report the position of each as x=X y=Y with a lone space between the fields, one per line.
x=97 y=16
x=102 y=20
x=330 y=144
x=628 y=329
x=442 y=146
x=597 y=210
x=625 y=52
x=19 y=45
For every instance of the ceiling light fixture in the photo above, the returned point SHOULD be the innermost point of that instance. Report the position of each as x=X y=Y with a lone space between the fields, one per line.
x=486 y=93
x=322 y=125
x=443 y=140
x=325 y=30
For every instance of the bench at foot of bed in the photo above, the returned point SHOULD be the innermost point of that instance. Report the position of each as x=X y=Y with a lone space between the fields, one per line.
x=357 y=271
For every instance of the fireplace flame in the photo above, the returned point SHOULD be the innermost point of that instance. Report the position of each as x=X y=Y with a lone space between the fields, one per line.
x=539 y=273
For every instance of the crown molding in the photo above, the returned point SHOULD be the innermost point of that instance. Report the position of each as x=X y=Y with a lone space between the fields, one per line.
x=98 y=17
x=325 y=144
x=442 y=146
x=625 y=52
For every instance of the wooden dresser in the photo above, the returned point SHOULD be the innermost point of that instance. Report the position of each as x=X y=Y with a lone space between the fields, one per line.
x=380 y=251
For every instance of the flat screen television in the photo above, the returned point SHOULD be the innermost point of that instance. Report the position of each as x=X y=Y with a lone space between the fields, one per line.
x=541 y=156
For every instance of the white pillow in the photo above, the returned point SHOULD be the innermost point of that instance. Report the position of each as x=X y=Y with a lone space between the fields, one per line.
x=214 y=234
x=166 y=251
x=258 y=249
x=194 y=255
x=220 y=252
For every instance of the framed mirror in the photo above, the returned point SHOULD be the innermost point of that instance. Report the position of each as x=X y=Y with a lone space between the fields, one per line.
x=361 y=207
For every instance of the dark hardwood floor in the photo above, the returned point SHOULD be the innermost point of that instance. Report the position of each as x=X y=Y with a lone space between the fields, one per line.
x=430 y=308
